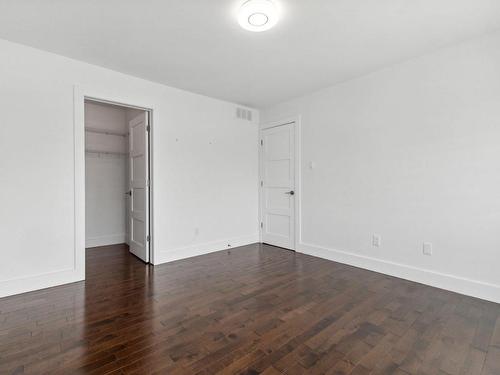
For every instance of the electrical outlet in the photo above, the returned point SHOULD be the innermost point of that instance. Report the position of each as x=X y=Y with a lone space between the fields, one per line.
x=376 y=240
x=427 y=248
x=196 y=231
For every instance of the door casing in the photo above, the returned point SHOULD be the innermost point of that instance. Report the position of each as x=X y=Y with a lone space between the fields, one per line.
x=130 y=100
x=295 y=120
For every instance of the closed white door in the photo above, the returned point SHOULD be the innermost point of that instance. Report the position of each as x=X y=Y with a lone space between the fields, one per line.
x=278 y=186
x=139 y=186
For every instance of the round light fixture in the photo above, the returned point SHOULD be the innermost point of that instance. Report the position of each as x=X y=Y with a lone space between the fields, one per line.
x=258 y=15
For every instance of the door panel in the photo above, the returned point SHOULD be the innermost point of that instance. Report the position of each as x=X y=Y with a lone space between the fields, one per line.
x=278 y=225
x=278 y=186
x=139 y=186
x=277 y=199
x=277 y=172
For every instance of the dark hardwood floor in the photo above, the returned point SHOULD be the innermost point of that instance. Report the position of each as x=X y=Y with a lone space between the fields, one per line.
x=254 y=310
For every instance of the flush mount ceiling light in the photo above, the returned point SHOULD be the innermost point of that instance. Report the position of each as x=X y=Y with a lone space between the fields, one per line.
x=258 y=15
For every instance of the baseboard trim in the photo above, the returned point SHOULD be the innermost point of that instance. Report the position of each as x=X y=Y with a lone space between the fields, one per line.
x=203 y=248
x=112 y=239
x=461 y=285
x=37 y=282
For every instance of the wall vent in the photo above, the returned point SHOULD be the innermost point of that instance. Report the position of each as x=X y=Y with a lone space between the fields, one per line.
x=244 y=114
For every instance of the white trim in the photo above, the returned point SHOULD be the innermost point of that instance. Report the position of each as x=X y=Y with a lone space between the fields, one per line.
x=130 y=100
x=279 y=122
x=296 y=120
x=259 y=186
x=112 y=239
x=462 y=285
x=205 y=248
x=77 y=270
x=469 y=287
x=153 y=119
x=79 y=178
x=36 y=282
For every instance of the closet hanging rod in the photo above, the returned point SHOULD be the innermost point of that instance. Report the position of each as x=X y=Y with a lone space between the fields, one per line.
x=106 y=152
x=104 y=131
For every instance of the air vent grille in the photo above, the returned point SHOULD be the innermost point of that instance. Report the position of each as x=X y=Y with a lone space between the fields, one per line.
x=244 y=114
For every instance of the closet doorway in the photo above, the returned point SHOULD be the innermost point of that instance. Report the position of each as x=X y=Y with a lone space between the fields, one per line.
x=117 y=177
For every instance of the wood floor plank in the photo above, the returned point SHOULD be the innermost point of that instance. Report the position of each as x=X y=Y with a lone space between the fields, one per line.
x=492 y=362
x=253 y=310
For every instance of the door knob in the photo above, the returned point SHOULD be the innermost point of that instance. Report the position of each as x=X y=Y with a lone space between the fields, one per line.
x=291 y=192
x=129 y=193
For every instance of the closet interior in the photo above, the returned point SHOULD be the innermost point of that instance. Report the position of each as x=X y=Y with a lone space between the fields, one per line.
x=107 y=173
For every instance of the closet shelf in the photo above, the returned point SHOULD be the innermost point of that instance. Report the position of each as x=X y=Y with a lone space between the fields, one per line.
x=106 y=152
x=104 y=131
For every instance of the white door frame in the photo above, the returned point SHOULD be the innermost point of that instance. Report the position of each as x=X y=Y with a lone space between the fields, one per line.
x=80 y=94
x=295 y=120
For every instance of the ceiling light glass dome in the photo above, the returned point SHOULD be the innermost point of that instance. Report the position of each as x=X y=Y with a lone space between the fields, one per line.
x=258 y=15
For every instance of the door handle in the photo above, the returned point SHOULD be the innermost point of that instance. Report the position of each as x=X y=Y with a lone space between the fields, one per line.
x=291 y=192
x=129 y=193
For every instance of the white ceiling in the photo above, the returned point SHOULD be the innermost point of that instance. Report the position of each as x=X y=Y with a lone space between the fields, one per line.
x=198 y=45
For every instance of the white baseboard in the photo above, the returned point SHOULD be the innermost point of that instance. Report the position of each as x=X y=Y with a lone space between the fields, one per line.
x=36 y=282
x=203 y=248
x=469 y=287
x=462 y=285
x=112 y=239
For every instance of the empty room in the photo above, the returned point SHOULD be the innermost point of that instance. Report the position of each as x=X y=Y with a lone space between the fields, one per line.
x=250 y=187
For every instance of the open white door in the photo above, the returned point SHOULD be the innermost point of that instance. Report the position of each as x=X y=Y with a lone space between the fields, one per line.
x=139 y=186
x=278 y=186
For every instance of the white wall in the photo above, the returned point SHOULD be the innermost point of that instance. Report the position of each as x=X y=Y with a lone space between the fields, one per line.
x=204 y=167
x=411 y=153
x=106 y=177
